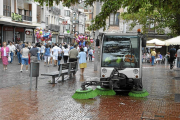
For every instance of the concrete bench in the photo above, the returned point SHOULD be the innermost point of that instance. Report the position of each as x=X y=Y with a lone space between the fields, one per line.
x=63 y=69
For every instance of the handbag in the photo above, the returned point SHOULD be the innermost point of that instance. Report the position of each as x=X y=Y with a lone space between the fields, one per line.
x=9 y=58
x=59 y=57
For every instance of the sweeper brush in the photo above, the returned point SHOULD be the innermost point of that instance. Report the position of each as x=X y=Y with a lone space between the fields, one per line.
x=104 y=91
x=142 y=93
x=88 y=93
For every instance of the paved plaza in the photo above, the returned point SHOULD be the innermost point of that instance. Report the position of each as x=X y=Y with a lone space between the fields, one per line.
x=54 y=102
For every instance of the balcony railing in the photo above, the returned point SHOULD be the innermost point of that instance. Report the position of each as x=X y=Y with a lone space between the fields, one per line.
x=54 y=27
x=27 y=18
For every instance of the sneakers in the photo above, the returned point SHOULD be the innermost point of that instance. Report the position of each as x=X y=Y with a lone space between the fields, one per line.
x=26 y=70
x=21 y=70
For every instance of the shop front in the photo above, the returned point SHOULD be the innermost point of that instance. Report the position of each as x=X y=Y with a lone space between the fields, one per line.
x=15 y=32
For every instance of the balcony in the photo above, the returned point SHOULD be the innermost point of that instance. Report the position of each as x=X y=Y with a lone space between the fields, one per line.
x=53 y=27
x=75 y=21
x=27 y=18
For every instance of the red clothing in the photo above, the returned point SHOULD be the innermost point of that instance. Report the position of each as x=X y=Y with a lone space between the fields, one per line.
x=4 y=58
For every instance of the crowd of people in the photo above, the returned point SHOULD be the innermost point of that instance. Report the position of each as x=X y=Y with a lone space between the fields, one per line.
x=47 y=52
x=169 y=58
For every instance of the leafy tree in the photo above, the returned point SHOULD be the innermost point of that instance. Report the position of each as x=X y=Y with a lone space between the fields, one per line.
x=164 y=13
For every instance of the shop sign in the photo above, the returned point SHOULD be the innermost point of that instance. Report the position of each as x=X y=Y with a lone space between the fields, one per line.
x=55 y=33
x=7 y=28
x=27 y=32
x=16 y=17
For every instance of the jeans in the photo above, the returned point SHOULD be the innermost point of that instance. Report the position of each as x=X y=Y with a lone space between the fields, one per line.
x=42 y=56
x=90 y=57
x=19 y=55
x=65 y=59
x=59 y=62
x=38 y=56
x=11 y=54
x=152 y=59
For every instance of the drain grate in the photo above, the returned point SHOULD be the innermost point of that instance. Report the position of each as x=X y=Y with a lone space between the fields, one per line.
x=177 y=98
x=176 y=78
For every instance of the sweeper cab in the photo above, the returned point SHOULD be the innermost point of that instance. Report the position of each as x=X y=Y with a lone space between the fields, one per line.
x=121 y=64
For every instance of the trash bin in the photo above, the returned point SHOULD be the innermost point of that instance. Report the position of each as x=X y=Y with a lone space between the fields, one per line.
x=35 y=69
x=34 y=72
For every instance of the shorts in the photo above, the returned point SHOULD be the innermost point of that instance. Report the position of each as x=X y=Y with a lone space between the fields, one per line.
x=47 y=58
x=25 y=61
x=55 y=57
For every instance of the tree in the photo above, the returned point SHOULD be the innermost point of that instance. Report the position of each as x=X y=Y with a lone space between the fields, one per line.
x=164 y=13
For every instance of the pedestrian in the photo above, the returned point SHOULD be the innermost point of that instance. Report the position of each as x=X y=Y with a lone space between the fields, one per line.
x=178 y=57
x=59 y=56
x=73 y=53
x=25 y=57
x=85 y=50
x=153 y=54
x=4 y=52
x=82 y=60
x=172 y=56
x=90 y=54
x=42 y=51
x=33 y=54
x=51 y=55
x=71 y=47
x=11 y=51
x=159 y=57
x=38 y=53
x=55 y=51
x=19 y=55
x=66 y=53
x=47 y=55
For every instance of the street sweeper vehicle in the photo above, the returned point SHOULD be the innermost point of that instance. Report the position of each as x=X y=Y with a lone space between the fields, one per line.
x=121 y=67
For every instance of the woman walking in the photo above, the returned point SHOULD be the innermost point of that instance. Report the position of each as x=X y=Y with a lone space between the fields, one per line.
x=51 y=55
x=29 y=47
x=66 y=53
x=4 y=52
x=25 y=57
x=82 y=60
x=47 y=55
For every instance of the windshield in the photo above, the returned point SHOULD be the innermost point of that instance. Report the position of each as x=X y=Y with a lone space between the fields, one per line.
x=119 y=51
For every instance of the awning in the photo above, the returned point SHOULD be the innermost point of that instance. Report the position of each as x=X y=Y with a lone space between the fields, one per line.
x=156 y=42
x=18 y=24
x=173 y=41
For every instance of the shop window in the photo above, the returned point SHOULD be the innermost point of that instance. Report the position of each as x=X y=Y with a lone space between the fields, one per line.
x=20 y=11
x=67 y=13
x=67 y=27
x=7 y=8
x=114 y=19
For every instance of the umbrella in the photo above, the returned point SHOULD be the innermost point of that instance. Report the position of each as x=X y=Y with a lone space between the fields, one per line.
x=156 y=42
x=173 y=41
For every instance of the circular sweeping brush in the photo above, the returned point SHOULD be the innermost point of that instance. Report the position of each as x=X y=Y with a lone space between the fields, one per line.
x=84 y=94
x=104 y=91
x=142 y=93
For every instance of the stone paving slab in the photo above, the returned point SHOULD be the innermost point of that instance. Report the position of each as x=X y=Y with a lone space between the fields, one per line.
x=54 y=102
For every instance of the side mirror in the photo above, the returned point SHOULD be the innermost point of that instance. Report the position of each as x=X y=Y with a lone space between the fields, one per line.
x=97 y=42
x=143 y=42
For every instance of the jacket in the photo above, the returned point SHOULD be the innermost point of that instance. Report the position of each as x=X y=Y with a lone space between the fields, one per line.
x=2 y=51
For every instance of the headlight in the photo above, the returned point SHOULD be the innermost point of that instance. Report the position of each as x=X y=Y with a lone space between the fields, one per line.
x=104 y=70
x=135 y=71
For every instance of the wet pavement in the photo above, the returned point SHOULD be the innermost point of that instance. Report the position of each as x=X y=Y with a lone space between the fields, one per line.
x=54 y=102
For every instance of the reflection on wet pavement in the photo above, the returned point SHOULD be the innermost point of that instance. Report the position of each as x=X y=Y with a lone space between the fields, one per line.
x=54 y=102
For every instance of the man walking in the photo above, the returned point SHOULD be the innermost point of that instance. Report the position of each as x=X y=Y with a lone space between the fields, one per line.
x=153 y=54
x=33 y=53
x=11 y=50
x=19 y=55
x=56 y=51
x=178 y=58
x=73 y=53
x=172 y=56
